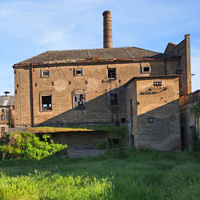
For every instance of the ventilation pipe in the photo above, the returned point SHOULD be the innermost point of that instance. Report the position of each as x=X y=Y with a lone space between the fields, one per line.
x=107 y=30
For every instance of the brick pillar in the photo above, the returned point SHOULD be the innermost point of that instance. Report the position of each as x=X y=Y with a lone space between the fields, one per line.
x=107 y=32
x=188 y=64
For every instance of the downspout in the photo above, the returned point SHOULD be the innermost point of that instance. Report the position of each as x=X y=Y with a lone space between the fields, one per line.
x=32 y=104
x=165 y=70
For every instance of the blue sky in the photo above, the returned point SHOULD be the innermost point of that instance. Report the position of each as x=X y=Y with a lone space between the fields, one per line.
x=31 y=27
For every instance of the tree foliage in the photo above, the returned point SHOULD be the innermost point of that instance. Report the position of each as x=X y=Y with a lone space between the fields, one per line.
x=28 y=145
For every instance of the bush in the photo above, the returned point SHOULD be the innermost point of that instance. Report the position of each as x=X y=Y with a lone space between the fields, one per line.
x=113 y=132
x=28 y=145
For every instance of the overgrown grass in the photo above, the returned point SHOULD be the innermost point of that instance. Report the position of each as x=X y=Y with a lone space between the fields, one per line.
x=138 y=175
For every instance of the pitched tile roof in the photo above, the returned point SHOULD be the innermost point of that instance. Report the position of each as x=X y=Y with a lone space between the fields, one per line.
x=104 y=53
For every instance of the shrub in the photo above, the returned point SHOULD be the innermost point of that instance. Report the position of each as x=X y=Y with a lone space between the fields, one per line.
x=28 y=145
x=113 y=132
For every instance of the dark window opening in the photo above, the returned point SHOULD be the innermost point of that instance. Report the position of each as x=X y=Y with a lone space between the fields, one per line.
x=3 y=129
x=150 y=119
x=113 y=99
x=2 y=110
x=132 y=140
x=46 y=103
x=113 y=142
x=3 y=117
x=79 y=100
x=157 y=83
x=146 y=69
x=112 y=73
x=45 y=73
x=78 y=72
x=123 y=120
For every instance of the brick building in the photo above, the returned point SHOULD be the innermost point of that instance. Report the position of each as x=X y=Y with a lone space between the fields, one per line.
x=7 y=112
x=96 y=86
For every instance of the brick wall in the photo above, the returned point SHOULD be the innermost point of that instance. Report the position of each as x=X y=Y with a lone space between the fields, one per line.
x=158 y=121
x=62 y=85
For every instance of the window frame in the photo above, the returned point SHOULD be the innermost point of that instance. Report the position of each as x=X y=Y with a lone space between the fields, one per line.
x=114 y=94
x=81 y=103
x=78 y=72
x=112 y=75
x=143 y=71
x=49 y=108
x=4 y=128
x=3 y=117
x=45 y=71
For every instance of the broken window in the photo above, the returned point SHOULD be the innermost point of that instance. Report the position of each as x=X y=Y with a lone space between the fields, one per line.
x=114 y=99
x=79 y=101
x=45 y=73
x=3 y=117
x=47 y=102
x=146 y=70
x=157 y=83
x=112 y=73
x=78 y=72
x=3 y=130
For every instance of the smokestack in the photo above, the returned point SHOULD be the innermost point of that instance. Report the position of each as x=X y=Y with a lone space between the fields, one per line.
x=107 y=30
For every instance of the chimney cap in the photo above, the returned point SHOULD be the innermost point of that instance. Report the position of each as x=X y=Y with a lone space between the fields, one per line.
x=107 y=12
x=6 y=93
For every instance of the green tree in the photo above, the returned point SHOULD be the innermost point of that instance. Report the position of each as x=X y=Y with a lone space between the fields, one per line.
x=28 y=145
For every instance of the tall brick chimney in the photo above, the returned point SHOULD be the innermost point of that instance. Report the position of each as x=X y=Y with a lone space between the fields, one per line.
x=107 y=30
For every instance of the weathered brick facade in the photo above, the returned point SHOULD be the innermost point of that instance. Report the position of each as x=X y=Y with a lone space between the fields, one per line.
x=153 y=112
x=7 y=113
x=60 y=88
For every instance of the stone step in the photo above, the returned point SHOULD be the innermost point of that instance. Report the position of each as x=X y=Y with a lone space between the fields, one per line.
x=84 y=153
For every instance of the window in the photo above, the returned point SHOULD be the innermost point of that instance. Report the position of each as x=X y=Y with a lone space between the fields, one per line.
x=2 y=110
x=3 y=117
x=3 y=129
x=113 y=99
x=78 y=72
x=123 y=120
x=157 y=83
x=79 y=101
x=112 y=73
x=45 y=73
x=46 y=103
x=146 y=70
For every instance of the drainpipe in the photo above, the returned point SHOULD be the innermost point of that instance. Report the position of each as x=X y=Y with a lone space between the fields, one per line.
x=32 y=104
x=165 y=70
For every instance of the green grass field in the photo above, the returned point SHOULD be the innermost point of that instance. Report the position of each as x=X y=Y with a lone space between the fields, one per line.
x=134 y=175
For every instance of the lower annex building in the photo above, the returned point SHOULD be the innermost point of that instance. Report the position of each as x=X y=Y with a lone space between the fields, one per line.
x=127 y=86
